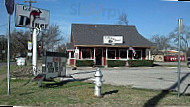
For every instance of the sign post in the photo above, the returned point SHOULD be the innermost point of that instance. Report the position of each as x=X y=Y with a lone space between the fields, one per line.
x=179 y=46
x=10 y=9
x=34 y=18
x=34 y=58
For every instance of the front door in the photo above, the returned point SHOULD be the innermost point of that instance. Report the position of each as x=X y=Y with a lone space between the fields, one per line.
x=98 y=56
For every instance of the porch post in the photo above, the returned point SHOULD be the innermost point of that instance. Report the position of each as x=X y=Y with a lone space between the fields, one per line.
x=76 y=56
x=106 y=57
x=94 y=55
x=69 y=58
x=127 y=54
x=149 y=55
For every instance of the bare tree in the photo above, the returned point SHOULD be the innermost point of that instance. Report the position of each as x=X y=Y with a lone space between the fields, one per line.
x=161 y=43
x=123 y=19
x=184 y=39
x=3 y=45
x=50 y=38
x=61 y=48
x=19 y=42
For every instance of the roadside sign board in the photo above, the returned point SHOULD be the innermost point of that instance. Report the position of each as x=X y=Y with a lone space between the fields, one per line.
x=10 y=6
x=54 y=65
x=31 y=18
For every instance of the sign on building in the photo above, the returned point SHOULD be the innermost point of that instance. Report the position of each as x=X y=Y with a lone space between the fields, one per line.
x=31 y=17
x=112 y=39
x=54 y=65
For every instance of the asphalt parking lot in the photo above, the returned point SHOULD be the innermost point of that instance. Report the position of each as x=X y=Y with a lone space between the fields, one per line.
x=157 y=78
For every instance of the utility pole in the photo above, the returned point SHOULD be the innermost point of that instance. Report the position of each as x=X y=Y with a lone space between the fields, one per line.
x=179 y=45
x=30 y=33
x=30 y=3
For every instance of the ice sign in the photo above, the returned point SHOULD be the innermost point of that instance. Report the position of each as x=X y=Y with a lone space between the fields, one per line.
x=54 y=65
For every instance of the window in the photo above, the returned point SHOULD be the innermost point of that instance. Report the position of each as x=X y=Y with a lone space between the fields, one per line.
x=72 y=54
x=123 y=54
x=86 y=53
x=111 y=54
x=138 y=54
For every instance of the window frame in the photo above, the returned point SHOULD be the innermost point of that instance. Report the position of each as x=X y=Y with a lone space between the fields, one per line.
x=126 y=52
x=136 y=52
x=90 y=54
x=111 y=50
x=71 y=55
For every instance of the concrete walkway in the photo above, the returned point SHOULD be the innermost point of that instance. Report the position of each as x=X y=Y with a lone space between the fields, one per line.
x=157 y=78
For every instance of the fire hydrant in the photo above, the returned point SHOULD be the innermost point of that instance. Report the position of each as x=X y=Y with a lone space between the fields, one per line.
x=98 y=82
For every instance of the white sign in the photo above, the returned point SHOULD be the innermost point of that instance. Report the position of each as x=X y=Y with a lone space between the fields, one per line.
x=112 y=39
x=30 y=54
x=54 y=65
x=32 y=18
x=29 y=45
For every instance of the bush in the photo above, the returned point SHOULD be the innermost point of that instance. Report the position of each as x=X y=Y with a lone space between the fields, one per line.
x=138 y=63
x=84 y=63
x=116 y=63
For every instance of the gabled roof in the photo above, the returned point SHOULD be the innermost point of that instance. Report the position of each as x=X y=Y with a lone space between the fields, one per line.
x=70 y=46
x=92 y=34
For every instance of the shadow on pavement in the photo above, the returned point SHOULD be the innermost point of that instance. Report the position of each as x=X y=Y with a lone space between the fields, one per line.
x=156 y=65
x=186 y=88
x=154 y=101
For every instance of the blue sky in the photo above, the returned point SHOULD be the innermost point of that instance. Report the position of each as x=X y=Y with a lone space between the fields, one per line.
x=149 y=16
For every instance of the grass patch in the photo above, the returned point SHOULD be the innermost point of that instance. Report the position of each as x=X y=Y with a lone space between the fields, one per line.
x=79 y=93
x=3 y=70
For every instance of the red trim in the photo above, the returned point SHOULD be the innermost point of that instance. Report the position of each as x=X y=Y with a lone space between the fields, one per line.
x=130 y=54
x=79 y=53
x=117 y=53
x=72 y=61
x=143 y=54
x=104 y=57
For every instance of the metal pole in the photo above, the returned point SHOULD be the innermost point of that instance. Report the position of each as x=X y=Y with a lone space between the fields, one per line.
x=34 y=58
x=8 y=57
x=179 y=49
x=106 y=57
x=30 y=29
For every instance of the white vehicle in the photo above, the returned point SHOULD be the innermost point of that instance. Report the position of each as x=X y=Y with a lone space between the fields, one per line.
x=20 y=61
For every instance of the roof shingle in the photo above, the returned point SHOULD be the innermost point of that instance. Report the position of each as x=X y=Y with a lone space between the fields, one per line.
x=92 y=34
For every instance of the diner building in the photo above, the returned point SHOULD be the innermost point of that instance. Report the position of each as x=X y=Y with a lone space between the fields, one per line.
x=100 y=43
